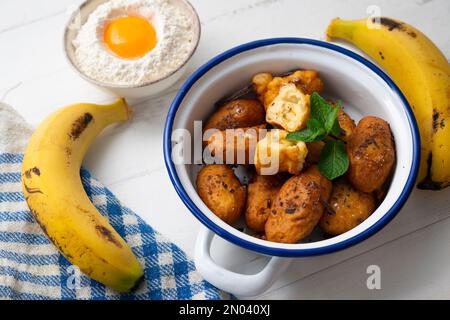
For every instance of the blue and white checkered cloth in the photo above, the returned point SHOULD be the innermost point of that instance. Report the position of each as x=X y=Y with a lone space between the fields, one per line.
x=32 y=268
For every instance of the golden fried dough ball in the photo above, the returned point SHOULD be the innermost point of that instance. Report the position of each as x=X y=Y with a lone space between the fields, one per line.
x=238 y=113
x=276 y=154
x=260 y=82
x=267 y=87
x=289 y=110
x=298 y=207
x=261 y=193
x=236 y=146
x=307 y=80
x=347 y=208
x=371 y=153
x=347 y=125
x=221 y=191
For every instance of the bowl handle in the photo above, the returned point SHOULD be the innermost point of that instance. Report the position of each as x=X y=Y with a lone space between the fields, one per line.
x=235 y=283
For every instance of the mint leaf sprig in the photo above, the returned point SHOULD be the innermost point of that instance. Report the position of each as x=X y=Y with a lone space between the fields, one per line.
x=323 y=125
x=333 y=160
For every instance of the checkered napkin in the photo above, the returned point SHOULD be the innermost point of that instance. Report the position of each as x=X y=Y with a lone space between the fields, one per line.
x=31 y=267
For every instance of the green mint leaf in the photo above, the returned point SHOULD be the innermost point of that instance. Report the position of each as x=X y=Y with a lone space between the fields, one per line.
x=333 y=160
x=320 y=108
x=330 y=121
x=322 y=121
x=336 y=129
x=314 y=132
x=319 y=132
x=326 y=113
x=305 y=135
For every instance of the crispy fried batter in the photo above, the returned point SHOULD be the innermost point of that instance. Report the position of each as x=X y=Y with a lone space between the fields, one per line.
x=267 y=87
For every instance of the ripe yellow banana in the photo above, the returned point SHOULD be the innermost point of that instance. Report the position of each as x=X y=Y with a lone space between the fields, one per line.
x=422 y=73
x=52 y=187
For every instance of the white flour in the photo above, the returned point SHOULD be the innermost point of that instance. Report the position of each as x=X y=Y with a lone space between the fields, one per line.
x=176 y=40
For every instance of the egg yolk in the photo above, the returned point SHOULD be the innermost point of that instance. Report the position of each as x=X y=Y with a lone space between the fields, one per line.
x=130 y=37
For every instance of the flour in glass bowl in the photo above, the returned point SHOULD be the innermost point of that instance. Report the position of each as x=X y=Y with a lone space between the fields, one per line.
x=176 y=40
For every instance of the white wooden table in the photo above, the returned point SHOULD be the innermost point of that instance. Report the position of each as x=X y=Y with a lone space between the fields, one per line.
x=413 y=251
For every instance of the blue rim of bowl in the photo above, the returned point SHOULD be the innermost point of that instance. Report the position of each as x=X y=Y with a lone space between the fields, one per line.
x=286 y=252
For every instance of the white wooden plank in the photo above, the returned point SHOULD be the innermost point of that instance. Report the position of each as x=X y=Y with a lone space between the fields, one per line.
x=18 y=13
x=243 y=24
x=413 y=267
x=129 y=158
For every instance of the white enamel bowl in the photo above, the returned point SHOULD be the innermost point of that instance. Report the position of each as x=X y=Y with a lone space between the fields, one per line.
x=152 y=88
x=364 y=90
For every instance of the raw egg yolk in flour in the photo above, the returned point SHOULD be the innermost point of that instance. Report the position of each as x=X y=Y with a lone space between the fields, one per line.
x=130 y=37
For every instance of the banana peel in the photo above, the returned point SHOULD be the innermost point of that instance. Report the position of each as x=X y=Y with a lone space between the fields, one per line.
x=54 y=193
x=422 y=73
